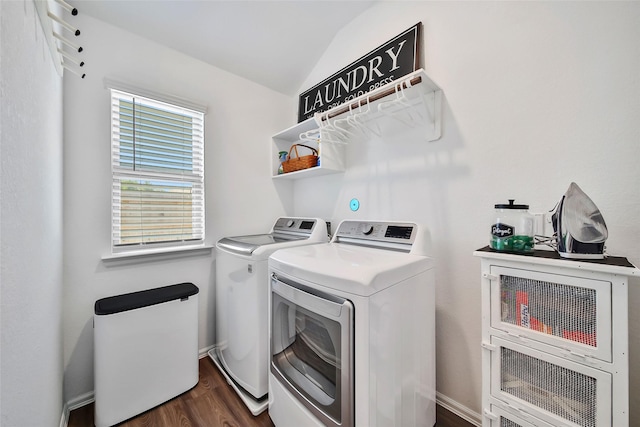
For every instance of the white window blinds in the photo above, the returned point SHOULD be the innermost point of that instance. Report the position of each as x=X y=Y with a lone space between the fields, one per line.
x=158 y=172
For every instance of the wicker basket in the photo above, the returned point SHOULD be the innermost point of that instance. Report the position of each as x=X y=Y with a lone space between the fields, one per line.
x=297 y=163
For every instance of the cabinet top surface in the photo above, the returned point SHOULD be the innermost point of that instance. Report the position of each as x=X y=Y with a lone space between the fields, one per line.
x=611 y=264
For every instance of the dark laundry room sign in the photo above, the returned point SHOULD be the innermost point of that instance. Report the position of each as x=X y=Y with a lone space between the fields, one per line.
x=394 y=59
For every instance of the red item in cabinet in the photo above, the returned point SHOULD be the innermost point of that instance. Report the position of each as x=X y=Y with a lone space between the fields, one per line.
x=581 y=337
x=540 y=326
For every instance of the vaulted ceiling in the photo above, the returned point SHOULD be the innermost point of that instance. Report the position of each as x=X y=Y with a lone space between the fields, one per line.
x=274 y=43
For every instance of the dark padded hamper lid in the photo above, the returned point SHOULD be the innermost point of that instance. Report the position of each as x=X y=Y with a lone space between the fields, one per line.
x=134 y=300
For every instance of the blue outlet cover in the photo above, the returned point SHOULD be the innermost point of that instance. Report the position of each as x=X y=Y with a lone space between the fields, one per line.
x=354 y=204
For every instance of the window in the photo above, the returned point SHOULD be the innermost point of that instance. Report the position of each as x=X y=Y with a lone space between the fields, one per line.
x=158 y=173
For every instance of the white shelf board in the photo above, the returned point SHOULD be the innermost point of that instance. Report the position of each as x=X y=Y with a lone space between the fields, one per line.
x=307 y=173
x=292 y=133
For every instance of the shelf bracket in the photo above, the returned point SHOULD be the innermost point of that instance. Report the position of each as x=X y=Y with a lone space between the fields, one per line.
x=435 y=114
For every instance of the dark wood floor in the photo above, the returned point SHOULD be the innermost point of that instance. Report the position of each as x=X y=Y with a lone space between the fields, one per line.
x=212 y=403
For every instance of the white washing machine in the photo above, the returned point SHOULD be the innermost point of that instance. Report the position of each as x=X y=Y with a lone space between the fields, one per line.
x=353 y=329
x=241 y=351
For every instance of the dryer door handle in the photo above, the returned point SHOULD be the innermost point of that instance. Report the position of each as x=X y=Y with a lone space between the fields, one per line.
x=311 y=302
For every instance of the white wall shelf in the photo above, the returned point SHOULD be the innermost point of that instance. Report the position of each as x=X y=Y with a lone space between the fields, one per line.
x=331 y=155
x=554 y=338
x=411 y=101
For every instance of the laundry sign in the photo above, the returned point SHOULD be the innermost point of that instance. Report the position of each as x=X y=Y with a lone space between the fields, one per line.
x=393 y=60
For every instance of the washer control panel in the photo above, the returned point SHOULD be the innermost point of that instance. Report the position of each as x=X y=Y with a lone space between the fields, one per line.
x=396 y=232
x=304 y=225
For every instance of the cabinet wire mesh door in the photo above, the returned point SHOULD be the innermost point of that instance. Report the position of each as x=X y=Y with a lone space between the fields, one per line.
x=499 y=416
x=505 y=422
x=565 y=311
x=553 y=388
x=560 y=311
x=568 y=394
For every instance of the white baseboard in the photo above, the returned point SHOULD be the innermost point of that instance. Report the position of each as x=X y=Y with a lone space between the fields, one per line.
x=204 y=352
x=64 y=418
x=442 y=400
x=75 y=403
x=80 y=401
x=459 y=409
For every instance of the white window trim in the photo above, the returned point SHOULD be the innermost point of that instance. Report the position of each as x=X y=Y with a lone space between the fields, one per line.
x=126 y=254
x=156 y=254
x=147 y=93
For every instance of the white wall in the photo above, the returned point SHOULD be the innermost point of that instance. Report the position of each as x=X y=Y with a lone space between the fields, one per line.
x=240 y=196
x=31 y=223
x=536 y=95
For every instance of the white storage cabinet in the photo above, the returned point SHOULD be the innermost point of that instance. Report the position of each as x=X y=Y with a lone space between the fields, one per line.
x=555 y=340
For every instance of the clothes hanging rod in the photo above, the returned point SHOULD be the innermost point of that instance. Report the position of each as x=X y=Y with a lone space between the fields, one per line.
x=67 y=67
x=369 y=99
x=74 y=30
x=67 y=42
x=71 y=58
x=72 y=10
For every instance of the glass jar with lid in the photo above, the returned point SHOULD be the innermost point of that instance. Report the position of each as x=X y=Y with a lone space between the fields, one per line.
x=513 y=228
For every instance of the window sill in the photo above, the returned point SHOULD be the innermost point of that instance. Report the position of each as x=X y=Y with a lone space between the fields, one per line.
x=159 y=254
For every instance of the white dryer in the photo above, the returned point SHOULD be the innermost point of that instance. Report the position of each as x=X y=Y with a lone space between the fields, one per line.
x=353 y=329
x=241 y=351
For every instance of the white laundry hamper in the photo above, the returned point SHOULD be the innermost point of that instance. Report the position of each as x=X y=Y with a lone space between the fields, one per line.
x=145 y=350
